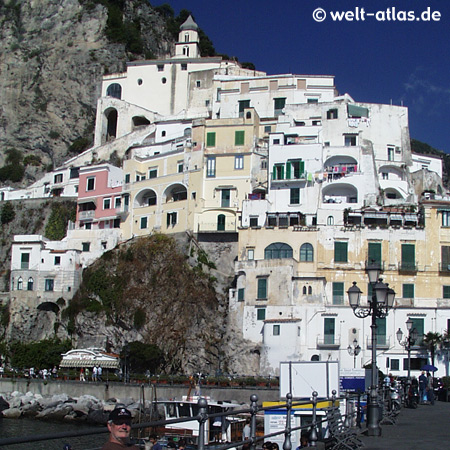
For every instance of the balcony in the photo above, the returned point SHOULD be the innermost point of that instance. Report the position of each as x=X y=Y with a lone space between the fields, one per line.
x=407 y=267
x=383 y=342
x=83 y=215
x=329 y=341
x=444 y=268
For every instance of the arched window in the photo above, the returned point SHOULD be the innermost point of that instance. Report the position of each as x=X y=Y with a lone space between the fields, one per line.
x=309 y=290
x=330 y=220
x=30 y=284
x=221 y=222
x=278 y=250
x=19 y=284
x=306 y=253
x=114 y=90
x=304 y=290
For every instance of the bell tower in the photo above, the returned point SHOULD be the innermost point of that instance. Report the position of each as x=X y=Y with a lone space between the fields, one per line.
x=188 y=40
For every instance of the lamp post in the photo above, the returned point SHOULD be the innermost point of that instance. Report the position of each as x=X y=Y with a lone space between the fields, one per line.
x=446 y=345
x=378 y=307
x=354 y=351
x=408 y=342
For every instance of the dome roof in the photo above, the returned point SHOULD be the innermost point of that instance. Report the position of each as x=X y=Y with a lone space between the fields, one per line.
x=189 y=24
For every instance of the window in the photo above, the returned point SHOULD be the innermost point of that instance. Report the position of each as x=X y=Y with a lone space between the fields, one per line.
x=171 y=219
x=184 y=66
x=276 y=330
x=106 y=203
x=104 y=245
x=260 y=313
x=445 y=291
x=279 y=104
x=30 y=284
x=57 y=260
x=241 y=294
x=86 y=246
x=239 y=162
x=313 y=100
x=49 y=284
x=294 y=196
x=211 y=139
x=418 y=324
x=381 y=331
x=114 y=90
x=408 y=291
x=304 y=290
x=262 y=289
x=278 y=172
x=58 y=178
x=221 y=219
x=163 y=80
x=350 y=140
x=160 y=67
x=309 y=290
x=278 y=250
x=332 y=114
x=390 y=153
x=198 y=83
x=267 y=128
x=384 y=175
x=25 y=261
x=446 y=218
x=340 y=251
x=117 y=202
x=180 y=167
x=239 y=137
x=408 y=257
x=251 y=254
x=19 y=284
x=295 y=169
x=211 y=166
x=152 y=172
x=253 y=222
x=143 y=223
x=306 y=253
x=242 y=105
x=374 y=253
x=395 y=364
x=338 y=293
x=90 y=184
x=139 y=81
x=127 y=178
x=328 y=330
x=330 y=220
x=226 y=193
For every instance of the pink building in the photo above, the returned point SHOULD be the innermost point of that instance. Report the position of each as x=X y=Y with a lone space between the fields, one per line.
x=99 y=197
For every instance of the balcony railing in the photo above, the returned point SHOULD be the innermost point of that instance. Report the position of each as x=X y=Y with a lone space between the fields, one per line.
x=329 y=341
x=383 y=342
x=445 y=268
x=407 y=267
x=87 y=214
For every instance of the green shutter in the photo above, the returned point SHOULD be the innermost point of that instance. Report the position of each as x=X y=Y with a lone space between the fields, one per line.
x=262 y=288
x=211 y=139
x=374 y=255
x=381 y=331
x=446 y=291
x=288 y=170
x=274 y=174
x=340 y=252
x=241 y=294
x=302 y=167
x=408 y=291
x=279 y=103
x=408 y=256
x=239 y=137
x=419 y=326
x=445 y=256
x=329 y=326
x=261 y=313
x=338 y=293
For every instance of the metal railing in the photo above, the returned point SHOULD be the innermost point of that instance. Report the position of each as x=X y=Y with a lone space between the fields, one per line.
x=203 y=416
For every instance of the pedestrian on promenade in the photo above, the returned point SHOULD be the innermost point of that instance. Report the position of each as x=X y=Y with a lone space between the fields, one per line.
x=423 y=383
x=247 y=430
x=119 y=426
x=99 y=373
x=82 y=375
x=154 y=442
x=94 y=373
x=430 y=390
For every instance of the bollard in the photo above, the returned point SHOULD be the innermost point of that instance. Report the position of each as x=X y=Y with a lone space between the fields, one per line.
x=287 y=444
x=254 y=410
x=333 y=397
x=203 y=417
x=348 y=420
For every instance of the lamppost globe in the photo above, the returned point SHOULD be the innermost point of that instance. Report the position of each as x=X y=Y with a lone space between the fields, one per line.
x=409 y=324
x=354 y=296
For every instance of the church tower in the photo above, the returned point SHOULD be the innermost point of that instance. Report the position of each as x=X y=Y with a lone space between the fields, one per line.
x=188 y=40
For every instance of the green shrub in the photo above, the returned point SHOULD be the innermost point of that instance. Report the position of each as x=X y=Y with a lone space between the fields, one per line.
x=57 y=223
x=8 y=213
x=79 y=145
x=32 y=160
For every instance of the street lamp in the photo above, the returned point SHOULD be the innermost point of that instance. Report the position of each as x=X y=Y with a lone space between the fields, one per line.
x=379 y=305
x=408 y=342
x=354 y=351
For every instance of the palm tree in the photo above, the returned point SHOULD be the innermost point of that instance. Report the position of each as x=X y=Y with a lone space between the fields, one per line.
x=432 y=341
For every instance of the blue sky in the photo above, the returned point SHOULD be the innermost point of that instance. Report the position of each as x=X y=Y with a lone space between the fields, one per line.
x=373 y=60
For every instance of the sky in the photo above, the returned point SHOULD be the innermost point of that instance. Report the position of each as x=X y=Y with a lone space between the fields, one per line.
x=379 y=58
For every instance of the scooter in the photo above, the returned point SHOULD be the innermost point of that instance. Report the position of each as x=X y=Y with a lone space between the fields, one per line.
x=412 y=397
x=395 y=401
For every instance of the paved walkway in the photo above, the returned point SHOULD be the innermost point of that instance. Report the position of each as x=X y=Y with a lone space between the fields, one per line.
x=424 y=428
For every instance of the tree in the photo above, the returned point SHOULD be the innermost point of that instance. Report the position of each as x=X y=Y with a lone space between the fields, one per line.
x=432 y=342
x=143 y=357
x=8 y=213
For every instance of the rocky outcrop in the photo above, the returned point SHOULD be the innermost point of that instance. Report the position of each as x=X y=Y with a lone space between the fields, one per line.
x=53 y=54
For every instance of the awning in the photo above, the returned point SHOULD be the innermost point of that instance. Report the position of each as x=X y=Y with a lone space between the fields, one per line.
x=104 y=364
x=411 y=217
x=375 y=215
x=357 y=111
x=398 y=217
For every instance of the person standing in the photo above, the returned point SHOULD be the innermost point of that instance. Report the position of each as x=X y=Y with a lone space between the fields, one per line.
x=119 y=426
x=94 y=373
x=154 y=441
x=82 y=375
x=423 y=383
x=247 y=430
x=430 y=389
x=99 y=373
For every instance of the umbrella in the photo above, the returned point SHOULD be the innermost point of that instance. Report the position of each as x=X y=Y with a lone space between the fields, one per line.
x=429 y=368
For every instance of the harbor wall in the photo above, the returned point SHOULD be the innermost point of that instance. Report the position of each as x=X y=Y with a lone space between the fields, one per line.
x=107 y=390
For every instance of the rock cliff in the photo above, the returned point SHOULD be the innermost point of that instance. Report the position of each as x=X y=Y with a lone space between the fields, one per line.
x=53 y=54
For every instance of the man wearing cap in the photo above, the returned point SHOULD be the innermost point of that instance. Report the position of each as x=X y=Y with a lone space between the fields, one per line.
x=119 y=426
